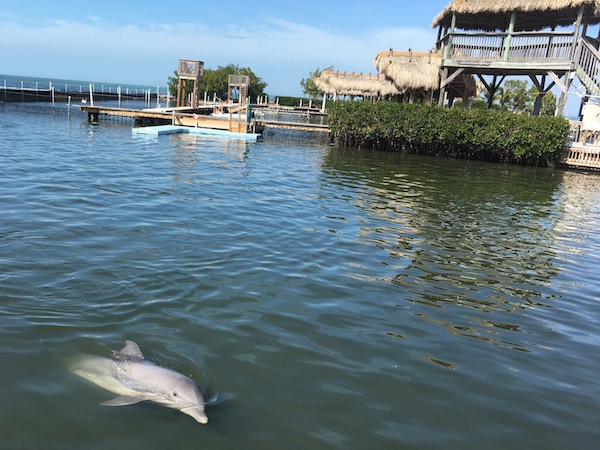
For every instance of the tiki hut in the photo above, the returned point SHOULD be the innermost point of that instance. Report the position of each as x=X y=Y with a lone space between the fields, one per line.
x=514 y=45
x=355 y=85
x=533 y=15
x=418 y=75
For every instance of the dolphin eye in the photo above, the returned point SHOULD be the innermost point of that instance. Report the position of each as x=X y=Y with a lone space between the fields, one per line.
x=174 y=393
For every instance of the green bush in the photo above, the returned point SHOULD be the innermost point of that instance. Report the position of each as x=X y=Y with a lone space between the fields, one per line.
x=295 y=101
x=478 y=134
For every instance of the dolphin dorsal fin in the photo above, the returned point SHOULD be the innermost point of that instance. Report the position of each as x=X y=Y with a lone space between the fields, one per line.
x=132 y=349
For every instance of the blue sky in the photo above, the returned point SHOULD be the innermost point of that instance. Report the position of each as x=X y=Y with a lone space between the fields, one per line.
x=139 y=42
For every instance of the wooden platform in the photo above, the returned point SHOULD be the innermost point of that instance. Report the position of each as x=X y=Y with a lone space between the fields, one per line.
x=582 y=149
x=580 y=157
x=234 y=120
x=198 y=117
x=176 y=129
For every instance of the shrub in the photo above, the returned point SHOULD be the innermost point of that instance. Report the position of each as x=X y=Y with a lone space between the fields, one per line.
x=477 y=134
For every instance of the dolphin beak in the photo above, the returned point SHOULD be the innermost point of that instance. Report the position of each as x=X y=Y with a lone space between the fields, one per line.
x=197 y=413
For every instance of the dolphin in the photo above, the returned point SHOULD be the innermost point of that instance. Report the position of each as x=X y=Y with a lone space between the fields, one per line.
x=135 y=380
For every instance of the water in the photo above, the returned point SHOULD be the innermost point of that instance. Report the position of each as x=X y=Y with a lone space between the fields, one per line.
x=333 y=298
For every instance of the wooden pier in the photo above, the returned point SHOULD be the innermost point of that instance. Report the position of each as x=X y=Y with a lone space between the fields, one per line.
x=198 y=117
x=229 y=117
x=582 y=149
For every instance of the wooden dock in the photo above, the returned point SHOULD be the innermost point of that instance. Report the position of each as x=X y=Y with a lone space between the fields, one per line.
x=199 y=117
x=582 y=149
x=233 y=118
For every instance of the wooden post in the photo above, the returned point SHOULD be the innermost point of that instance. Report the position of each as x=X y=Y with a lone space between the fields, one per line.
x=451 y=35
x=537 y=106
x=446 y=54
x=511 y=29
x=541 y=87
x=562 y=101
x=491 y=91
x=576 y=32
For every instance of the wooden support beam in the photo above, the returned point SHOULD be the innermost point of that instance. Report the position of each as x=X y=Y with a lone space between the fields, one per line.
x=442 y=98
x=491 y=87
x=485 y=83
x=562 y=101
x=577 y=29
x=559 y=83
x=539 y=85
x=452 y=77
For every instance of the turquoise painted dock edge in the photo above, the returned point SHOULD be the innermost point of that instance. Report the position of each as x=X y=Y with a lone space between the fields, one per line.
x=172 y=129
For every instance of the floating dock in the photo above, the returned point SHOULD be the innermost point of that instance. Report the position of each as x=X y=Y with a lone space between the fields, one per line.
x=174 y=129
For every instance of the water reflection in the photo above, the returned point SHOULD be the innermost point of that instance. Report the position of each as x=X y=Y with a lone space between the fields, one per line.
x=191 y=152
x=455 y=238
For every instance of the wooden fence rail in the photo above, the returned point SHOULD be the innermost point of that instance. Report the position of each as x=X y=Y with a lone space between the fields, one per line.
x=523 y=46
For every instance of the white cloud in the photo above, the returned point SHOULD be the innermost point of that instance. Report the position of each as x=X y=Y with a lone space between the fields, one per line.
x=280 y=51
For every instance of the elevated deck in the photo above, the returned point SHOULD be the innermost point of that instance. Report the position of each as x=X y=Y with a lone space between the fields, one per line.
x=504 y=54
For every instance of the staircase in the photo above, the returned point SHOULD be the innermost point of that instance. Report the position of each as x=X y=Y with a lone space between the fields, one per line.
x=587 y=66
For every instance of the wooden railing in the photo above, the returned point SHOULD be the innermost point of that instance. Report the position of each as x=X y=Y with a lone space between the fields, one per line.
x=588 y=61
x=242 y=124
x=522 y=46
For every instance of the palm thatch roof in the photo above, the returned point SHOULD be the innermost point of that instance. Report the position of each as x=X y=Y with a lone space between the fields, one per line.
x=410 y=70
x=355 y=84
x=492 y=15
x=419 y=71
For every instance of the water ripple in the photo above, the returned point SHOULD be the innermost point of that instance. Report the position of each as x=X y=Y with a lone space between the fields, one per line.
x=323 y=287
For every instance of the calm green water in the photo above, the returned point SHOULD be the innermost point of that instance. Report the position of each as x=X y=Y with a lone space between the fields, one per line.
x=333 y=298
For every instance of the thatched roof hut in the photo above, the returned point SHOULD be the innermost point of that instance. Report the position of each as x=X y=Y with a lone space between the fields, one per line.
x=410 y=70
x=490 y=15
x=420 y=73
x=355 y=84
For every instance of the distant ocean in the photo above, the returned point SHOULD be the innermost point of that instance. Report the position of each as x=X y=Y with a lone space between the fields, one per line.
x=65 y=85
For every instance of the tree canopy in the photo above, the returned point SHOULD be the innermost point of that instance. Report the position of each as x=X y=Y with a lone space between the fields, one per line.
x=516 y=96
x=217 y=81
x=308 y=84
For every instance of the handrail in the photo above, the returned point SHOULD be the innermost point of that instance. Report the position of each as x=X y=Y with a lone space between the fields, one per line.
x=495 y=46
x=587 y=60
x=503 y=34
x=585 y=42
